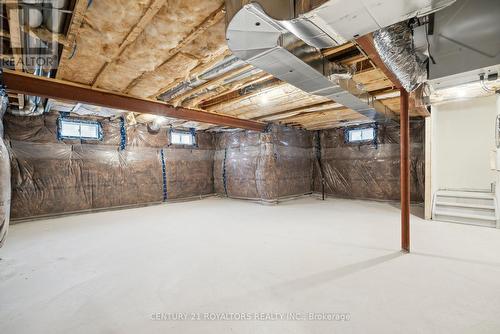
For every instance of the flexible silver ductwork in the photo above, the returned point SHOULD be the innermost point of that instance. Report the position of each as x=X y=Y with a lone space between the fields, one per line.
x=283 y=38
x=395 y=47
x=33 y=105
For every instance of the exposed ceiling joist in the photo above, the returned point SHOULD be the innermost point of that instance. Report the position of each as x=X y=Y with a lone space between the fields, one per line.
x=207 y=23
x=178 y=100
x=227 y=88
x=15 y=40
x=337 y=49
x=45 y=35
x=366 y=43
x=263 y=87
x=57 y=89
x=206 y=65
x=69 y=47
x=236 y=90
x=310 y=108
x=131 y=37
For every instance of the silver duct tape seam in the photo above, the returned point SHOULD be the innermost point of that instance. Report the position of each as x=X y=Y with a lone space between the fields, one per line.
x=395 y=47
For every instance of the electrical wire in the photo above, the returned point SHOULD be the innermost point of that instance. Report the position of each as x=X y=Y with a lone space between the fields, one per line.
x=484 y=86
x=429 y=44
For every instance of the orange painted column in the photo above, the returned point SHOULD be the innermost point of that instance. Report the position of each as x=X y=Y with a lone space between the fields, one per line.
x=405 y=171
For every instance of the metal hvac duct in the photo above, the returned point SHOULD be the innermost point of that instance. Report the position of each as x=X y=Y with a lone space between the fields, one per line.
x=396 y=49
x=282 y=38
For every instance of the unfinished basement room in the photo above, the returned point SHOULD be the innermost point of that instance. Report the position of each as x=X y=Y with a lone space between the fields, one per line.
x=250 y=166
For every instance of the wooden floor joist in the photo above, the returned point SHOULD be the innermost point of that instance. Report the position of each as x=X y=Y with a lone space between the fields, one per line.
x=79 y=10
x=23 y=83
x=153 y=9
x=16 y=41
x=212 y=19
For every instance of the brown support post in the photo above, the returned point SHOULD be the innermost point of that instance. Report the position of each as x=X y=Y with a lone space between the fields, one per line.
x=405 y=171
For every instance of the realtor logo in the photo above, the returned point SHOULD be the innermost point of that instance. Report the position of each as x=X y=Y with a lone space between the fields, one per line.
x=31 y=34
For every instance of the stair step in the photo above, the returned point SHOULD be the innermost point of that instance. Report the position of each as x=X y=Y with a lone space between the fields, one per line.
x=466 y=205
x=465 y=215
x=465 y=194
x=466 y=222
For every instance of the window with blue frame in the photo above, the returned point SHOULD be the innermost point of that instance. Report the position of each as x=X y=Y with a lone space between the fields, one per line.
x=360 y=135
x=69 y=128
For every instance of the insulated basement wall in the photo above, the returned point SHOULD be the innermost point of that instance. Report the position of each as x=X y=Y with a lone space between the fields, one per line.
x=264 y=166
x=51 y=176
x=4 y=177
x=369 y=171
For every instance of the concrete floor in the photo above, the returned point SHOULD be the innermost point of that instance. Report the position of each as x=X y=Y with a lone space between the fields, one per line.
x=111 y=272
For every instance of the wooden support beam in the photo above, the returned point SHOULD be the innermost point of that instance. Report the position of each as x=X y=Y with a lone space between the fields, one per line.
x=57 y=89
x=153 y=9
x=405 y=171
x=366 y=43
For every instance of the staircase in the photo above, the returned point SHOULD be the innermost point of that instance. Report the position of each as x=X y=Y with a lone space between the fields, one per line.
x=466 y=207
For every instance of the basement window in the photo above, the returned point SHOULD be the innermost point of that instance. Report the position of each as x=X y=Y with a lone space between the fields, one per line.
x=360 y=135
x=79 y=129
x=182 y=138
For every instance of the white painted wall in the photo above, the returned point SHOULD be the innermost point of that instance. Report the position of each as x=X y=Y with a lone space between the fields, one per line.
x=463 y=135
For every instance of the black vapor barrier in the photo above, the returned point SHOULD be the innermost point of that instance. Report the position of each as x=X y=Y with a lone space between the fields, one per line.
x=269 y=166
x=126 y=165
x=368 y=169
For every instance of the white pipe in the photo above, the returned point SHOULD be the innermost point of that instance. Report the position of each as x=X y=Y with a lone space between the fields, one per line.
x=59 y=4
x=34 y=17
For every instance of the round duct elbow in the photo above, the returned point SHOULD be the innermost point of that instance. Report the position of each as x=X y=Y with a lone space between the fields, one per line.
x=395 y=47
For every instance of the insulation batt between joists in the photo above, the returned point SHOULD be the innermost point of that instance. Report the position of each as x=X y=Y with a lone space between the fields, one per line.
x=106 y=26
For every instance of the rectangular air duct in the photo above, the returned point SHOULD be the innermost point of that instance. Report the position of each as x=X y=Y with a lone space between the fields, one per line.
x=275 y=37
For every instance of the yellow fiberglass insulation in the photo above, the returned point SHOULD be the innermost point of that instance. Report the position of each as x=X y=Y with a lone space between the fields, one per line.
x=106 y=25
x=176 y=20
x=212 y=42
